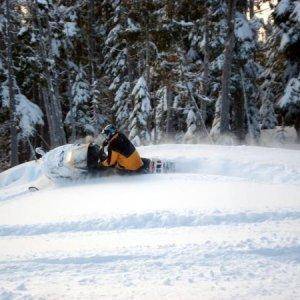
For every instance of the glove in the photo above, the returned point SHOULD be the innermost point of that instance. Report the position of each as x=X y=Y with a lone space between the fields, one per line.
x=105 y=143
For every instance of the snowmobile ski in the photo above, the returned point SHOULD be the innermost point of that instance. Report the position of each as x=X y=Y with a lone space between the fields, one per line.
x=33 y=189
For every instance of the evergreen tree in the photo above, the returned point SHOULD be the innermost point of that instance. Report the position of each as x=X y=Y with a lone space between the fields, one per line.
x=122 y=106
x=283 y=65
x=80 y=108
x=27 y=114
x=242 y=92
x=290 y=102
x=267 y=115
x=139 y=118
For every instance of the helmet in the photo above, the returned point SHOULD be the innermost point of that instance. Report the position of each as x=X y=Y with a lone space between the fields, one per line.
x=109 y=131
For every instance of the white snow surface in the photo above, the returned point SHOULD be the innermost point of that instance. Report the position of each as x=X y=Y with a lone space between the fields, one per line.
x=226 y=225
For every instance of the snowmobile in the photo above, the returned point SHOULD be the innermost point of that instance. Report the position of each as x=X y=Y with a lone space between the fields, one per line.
x=75 y=161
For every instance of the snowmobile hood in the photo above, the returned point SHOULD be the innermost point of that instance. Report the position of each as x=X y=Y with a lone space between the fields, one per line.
x=77 y=157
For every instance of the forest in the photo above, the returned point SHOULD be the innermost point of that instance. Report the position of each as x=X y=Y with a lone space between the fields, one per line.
x=186 y=71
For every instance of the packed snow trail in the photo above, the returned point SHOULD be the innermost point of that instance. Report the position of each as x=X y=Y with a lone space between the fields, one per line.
x=226 y=225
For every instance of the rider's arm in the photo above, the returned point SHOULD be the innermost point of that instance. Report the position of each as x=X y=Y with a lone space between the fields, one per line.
x=111 y=159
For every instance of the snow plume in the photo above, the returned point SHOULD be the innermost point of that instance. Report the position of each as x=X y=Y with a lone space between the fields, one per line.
x=29 y=115
x=291 y=93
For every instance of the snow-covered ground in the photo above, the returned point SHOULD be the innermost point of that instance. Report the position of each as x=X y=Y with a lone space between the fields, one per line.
x=226 y=225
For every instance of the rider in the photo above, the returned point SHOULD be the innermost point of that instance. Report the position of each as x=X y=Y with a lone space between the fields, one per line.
x=121 y=152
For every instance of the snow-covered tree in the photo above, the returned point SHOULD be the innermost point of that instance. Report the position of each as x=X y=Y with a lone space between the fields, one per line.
x=267 y=115
x=290 y=102
x=28 y=115
x=139 y=118
x=282 y=61
x=122 y=106
x=160 y=113
x=118 y=64
x=242 y=92
x=80 y=111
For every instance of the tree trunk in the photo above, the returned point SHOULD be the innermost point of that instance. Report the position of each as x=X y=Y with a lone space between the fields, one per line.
x=169 y=123
x=72 y=117
x=52 y=107
x=48 y=110
x=250 y=126
x=53 y=85
x=91 y=41
x=43 y=90
x=147 y=65
x=130 y=63
x=45 y=130
x=13 y=126
x=58 y=110
x=251 y=8
x=297 y=127
x=238 y=107
x=91 y=51
x=228 y=55
x=205 y=69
